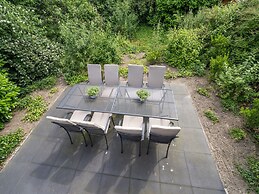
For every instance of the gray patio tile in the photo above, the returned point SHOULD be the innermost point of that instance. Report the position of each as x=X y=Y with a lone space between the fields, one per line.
x=33 y=180
x=179 y=89
x=144 y=187
x=175 y=189
x=146 y=167
x=85 y=183
x=91 y=159
x=59 y=180
x=27 y=150
x=174 y=168
x=48 y=151
x=118 y=164
x=11 y=174
x=202 y=170
x=206 y=191
x=114 y=184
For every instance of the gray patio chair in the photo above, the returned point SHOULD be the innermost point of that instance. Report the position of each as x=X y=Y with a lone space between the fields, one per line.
x=156 y=76
x=70 y=126
x=94 y=74
x=161 y=131
x=132 y=129
x=135 y=75
x=98 y=125
x=111 y=73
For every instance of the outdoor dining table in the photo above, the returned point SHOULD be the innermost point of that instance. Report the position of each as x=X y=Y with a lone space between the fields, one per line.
x=121 y=100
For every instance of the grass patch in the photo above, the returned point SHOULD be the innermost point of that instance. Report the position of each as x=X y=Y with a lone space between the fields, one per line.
x=9 y=142
x=143 y=38
x=250 y=173
x=237 y=134
x=211 y=116
x=203 y=92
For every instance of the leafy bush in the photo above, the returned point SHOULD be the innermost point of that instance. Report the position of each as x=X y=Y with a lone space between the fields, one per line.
x=237 y=133
x=28 y=54
x=123 y=71
x=250 y=173
x=251 y=115
x=9 y=142
x=230 y=105
x=73 y=79
x=35 y=106
x=184 y=49
x=203 y=92
x=170 y=75
x=211 y=116
x=218 y=65
x=8 y=97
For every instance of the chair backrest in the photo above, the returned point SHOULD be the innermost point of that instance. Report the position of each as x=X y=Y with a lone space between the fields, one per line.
x=135 y=75
x=164 y=131
x=129 y=130
x=111 y=74
x=94 y=74
x=64 y=123
x=156 y=76
x=90 y=126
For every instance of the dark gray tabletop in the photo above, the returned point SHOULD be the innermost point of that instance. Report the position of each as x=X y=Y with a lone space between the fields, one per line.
x=122 y=100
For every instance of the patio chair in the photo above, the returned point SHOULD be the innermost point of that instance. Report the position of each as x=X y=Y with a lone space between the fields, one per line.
x=135 y=75
x=161 y=131
x=68 y=125
x=94 y=74
x=111 y=74
x=98 y=125
x=156 y=76
x=131 y=129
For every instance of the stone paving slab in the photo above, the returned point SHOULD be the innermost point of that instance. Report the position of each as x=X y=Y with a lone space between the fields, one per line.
x=48 y=163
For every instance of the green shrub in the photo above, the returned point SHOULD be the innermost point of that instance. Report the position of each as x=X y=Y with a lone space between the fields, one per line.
x=53 y=90
x=203 y=92
x=123 y=71
x=250 y=173
x=73 y=79
x=217 y=66
x=28 y=53
x=230 y=105
x=8 y=97
x=9 y=142
x=251 y=115
x=211 y=116
x=35 y=106
x=170 y=75
x=184 y=49
x=237 y=133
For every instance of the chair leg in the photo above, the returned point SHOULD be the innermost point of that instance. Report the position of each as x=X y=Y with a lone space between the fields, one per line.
x=84 y=138
x=69 y=137
x=106 y=141
x=168 y=148
x=139 y=154
x=121 y=144
x=148 y=146
x=90 y=138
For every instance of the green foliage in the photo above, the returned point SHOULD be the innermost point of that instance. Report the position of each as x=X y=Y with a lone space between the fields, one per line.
x=143 y=94
x=203 y=92
x=237 y=134
x=184 y=49
x=73 y=79
x=218 y=65
x=8 y=97
x=211 y=116
x=8 y=143
x=250 y=173
x=35 y=107
x=170 y=75
x=251 y=115
x=123 y=71
x=53 y=90
x=166 y=11
x=28 y=53
x=230 y=105
x=93 y=91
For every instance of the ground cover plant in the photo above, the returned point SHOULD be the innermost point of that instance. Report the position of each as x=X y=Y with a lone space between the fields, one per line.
x=211 y=116
x=8 y=143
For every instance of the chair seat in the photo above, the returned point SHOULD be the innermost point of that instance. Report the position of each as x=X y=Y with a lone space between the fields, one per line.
x=132 y=121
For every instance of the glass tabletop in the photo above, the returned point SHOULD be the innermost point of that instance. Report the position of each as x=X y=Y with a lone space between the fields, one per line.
x=160 y=103
x=77 y=99
x=121 y=100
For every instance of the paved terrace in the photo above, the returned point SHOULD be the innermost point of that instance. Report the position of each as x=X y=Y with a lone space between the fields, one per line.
x=48 y=163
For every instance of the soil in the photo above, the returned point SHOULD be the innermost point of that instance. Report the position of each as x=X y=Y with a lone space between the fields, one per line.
x=226 y=151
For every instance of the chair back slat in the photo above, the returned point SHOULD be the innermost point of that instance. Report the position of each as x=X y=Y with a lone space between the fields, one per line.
x=94 y=74
x=111 y=74
x=156 y=76
x=135 y=75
